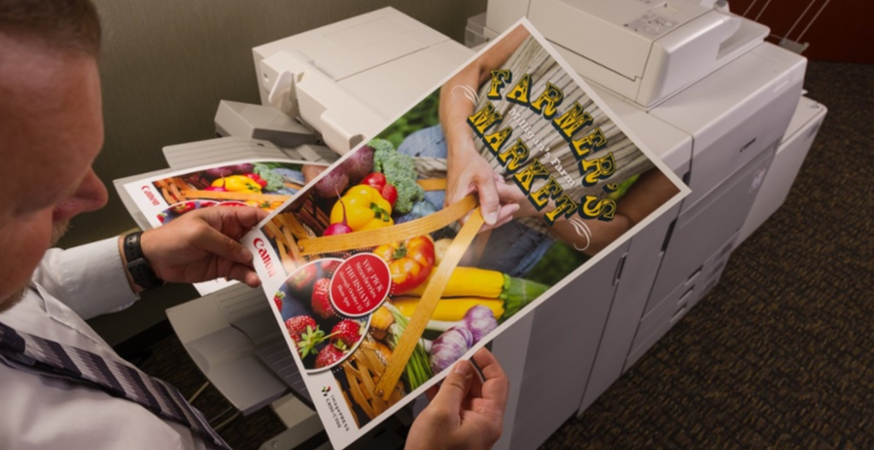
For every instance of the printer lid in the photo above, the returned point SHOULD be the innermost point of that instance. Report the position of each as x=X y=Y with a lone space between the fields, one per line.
x=617 y=34
x=351 y=46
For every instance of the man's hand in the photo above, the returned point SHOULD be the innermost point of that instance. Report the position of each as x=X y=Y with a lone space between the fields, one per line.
x=202 y=245
x=465 y=413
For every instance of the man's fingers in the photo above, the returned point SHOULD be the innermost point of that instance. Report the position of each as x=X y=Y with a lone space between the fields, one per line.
x=248 y=217
x=454 y=388
x=496 y=385
x=213 y=241
x=476 y=386
x=232 y=217
x=245 y=275
x=432 y=392
x=260 y=215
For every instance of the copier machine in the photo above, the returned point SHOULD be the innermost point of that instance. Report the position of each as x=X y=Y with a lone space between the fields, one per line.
x=697 y=84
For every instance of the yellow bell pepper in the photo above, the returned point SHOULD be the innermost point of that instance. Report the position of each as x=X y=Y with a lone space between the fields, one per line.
x=237 y=183
x=365 y=208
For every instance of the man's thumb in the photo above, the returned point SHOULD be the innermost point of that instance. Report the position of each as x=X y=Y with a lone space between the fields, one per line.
x=455 y=387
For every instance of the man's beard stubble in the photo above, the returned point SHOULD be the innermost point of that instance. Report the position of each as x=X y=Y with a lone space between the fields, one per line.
x=58 y=231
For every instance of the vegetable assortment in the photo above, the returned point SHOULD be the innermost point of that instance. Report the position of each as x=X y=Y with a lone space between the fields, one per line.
x=264 y=185
x=362 y=208
x=372 y=190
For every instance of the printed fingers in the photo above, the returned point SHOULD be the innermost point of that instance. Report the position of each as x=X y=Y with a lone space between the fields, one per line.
x=488 y=195
x=505 y=215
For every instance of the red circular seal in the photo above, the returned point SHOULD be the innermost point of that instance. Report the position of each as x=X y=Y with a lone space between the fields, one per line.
x=360 y=284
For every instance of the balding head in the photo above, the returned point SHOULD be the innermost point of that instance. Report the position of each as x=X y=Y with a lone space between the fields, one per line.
x=67 y=25
x=51 y=130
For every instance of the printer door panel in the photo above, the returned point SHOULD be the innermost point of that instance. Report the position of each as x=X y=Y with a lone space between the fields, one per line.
x=564 y=338
x=703 y=230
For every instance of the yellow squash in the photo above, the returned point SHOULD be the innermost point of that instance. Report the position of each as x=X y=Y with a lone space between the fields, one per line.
x=469 y=282
x=449 y=309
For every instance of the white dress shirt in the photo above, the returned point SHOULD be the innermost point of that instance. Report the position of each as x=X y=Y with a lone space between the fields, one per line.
x=44 y=412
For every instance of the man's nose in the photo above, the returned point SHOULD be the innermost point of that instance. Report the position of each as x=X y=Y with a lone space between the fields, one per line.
x=89 y=196
x=92 y=193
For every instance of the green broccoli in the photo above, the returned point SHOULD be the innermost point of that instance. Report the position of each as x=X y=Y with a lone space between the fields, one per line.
x=274 y=180
x=400 y=172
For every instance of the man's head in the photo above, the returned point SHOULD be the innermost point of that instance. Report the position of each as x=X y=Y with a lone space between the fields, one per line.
x=51 y=128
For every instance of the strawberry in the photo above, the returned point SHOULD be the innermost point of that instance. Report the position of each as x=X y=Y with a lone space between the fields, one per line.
x=303 y=277
x=319 y=300
x=298 y=325
x=346 y=331
x=328 y=356
x=278 y=300
x=329 y=267
x=305 y=333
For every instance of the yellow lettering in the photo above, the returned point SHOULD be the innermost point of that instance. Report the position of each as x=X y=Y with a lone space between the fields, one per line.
x=495 y=140
x=565 y=207
x=550 y=190
x=572 y=120
x=520 y=92
x=590 y=143
x=527 y=176
x=593 y=208
x=499 y=79
x=547 y=102
x=485 y=118
x=597 y=169
x=513 y=157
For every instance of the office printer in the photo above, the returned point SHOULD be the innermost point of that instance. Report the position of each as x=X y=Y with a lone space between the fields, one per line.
x=696 y=84
x=700 y=87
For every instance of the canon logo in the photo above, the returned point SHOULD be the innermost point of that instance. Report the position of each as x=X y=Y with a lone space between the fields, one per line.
x=151 y=196
x=259 y=245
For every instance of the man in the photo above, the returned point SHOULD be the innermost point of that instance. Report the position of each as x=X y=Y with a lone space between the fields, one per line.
x=61 y=386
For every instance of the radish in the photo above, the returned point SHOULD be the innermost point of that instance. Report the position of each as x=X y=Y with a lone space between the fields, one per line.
x=340 y=227
x=217 y=188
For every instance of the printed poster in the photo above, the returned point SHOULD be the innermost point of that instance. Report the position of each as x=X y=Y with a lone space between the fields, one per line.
x=259 y=183
x=348 y=262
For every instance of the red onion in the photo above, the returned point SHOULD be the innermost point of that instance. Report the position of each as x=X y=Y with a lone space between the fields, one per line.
x=359 y=163
x=335 y=181
x=449 y=347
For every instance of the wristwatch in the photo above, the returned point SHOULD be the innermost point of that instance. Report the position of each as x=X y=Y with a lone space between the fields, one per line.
x=137 y=266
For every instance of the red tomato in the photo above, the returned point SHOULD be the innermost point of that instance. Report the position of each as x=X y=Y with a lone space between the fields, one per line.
x=378 y=181
x=256 y=178
x=410 y=262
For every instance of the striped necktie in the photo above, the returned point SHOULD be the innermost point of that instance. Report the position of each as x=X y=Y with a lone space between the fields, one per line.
x=117 y=379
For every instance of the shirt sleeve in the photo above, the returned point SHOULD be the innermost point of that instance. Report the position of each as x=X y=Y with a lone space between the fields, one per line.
x=90 y=279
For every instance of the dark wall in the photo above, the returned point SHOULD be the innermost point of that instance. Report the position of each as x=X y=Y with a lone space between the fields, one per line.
x=841 y=32
x=166 y=64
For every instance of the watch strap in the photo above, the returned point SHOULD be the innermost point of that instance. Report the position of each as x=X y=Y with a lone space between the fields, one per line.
x=140 y=270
